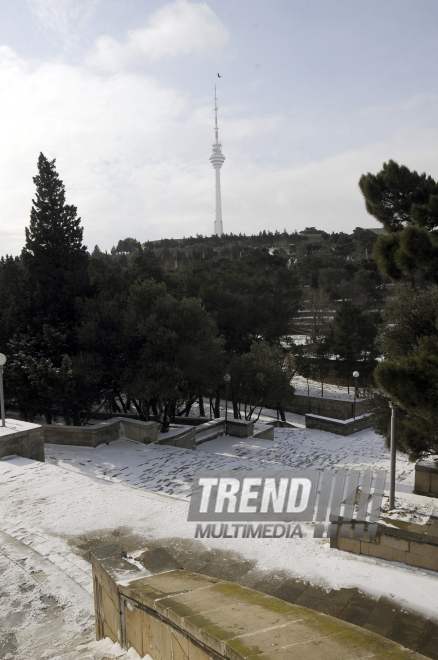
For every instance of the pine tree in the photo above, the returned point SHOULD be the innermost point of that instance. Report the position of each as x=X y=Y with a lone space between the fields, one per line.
x=406 y=203
x=408 y=339
x=54 y=258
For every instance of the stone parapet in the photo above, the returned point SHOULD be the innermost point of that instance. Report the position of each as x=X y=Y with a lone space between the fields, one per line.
x=417 y=545
x=182 y=436
x=339 y=426
x=22 y=439
x=112 y=429
x=264 y=432
x=167 y=612
x=139 y=431
x=426 y=477
x=83 y=436
x=333 y=408
x=240 y=428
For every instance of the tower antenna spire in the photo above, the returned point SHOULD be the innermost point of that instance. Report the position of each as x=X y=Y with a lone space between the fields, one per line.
x=217 y=160
x=216 y=129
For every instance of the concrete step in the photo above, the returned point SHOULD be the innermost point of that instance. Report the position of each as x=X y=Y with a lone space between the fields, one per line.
x=210 y=434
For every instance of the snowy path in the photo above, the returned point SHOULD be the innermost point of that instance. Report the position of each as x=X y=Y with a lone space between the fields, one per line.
x=170 y=470
x=41 y=607
x=71 y=509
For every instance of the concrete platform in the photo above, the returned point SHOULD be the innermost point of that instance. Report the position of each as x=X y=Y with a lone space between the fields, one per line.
x=180 y=614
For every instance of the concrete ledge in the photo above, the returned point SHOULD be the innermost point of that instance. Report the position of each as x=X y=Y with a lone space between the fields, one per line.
x=113 y=429
x=187 y=616
x=83 y=436
x=339 y=426
x=22 y=439
x=177 y=436
x=333 y=408
x=265 y=432
x=132 y=429
x=417 y=545
x=240 y=428
x=278 y=423
x=194 y=421
x=210 y=430
x=426 y=477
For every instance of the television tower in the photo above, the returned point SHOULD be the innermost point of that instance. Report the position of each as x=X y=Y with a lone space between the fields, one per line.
x=217 y=159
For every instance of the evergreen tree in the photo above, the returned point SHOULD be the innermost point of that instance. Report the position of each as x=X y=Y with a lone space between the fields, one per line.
x=260 y=378
x=54 y=258
x=406 y=203
x=45 y=376
x=408 y=340
x=354 y=333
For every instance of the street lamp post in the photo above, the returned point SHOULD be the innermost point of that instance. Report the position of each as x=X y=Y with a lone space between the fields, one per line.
x=355 y=376
x=227 y=379
x=2 y=398
x=394 y=407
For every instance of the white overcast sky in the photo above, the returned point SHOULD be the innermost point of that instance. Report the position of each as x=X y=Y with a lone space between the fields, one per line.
x=313 y=94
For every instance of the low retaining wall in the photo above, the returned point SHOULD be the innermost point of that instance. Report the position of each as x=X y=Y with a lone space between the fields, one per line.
x=210 y=430
x=83 y=436
x=426 y=477
x=265 y=432
x=339 y=426
x=278 y=423
x=139 y=431
x=113 y=429
x=173 y=614
x=240 y=428
x=182 y=437
x=333 y=408
x=22 y=439
x=415 y=546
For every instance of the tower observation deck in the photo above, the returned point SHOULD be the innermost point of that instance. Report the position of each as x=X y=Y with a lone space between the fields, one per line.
x=217 y=159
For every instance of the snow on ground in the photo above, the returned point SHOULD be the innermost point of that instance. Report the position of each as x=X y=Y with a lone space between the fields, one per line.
x=330 y=391
x=105 y=649
x=62 y=507
x=135 y=490
x=168 y=470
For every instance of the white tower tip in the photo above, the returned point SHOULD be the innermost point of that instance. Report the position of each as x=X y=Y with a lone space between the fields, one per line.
x=217 y=160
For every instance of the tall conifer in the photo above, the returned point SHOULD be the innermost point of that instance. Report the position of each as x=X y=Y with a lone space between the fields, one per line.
x=54 y=257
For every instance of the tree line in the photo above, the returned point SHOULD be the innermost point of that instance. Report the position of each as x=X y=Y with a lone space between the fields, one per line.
x=83 y=333
x=124 y=332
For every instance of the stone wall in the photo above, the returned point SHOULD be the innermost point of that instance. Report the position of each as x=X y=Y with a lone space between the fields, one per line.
x=240 y=428
x=169 y=613
x=183 y=437
x=415 y=546
x=264 y=432
x=113 y=429
x=326 y=407
x=339 y=426
x=83 y=436
x=139 y=431
x=22 y=439
x=426 y=477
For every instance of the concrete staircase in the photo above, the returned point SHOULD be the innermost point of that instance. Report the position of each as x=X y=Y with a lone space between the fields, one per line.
x=210 y=430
